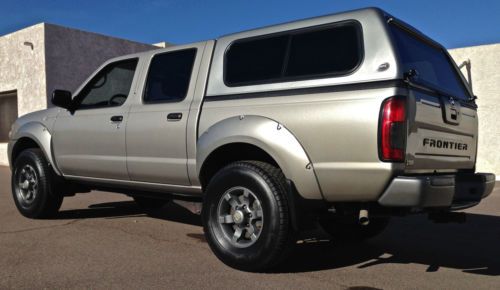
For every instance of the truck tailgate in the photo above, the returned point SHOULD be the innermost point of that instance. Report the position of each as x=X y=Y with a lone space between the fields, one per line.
x=442 y=133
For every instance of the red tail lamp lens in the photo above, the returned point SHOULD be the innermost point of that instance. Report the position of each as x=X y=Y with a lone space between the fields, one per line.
x=393 y=129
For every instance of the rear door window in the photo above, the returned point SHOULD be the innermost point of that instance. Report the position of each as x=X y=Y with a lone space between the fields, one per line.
x=169 y=76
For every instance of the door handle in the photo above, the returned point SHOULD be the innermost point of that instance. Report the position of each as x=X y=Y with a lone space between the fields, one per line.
x=116 y=119
x=174 y=116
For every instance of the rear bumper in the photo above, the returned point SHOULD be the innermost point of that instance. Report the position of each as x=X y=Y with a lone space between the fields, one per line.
x=451 y=191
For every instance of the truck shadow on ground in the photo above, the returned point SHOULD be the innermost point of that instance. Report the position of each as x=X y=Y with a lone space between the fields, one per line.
x=127 y=209
x=472 y=247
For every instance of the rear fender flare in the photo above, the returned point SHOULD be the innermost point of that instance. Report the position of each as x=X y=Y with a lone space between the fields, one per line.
x=270 y=136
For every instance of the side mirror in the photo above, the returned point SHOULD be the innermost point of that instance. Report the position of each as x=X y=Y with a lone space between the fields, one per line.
x=62 y=98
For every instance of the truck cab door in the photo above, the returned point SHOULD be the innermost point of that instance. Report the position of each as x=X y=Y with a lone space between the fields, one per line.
x=90 y=141
x=158 y=122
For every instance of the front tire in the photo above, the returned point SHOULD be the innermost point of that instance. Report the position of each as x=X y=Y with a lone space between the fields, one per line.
x=246 y=218
x=32 y=187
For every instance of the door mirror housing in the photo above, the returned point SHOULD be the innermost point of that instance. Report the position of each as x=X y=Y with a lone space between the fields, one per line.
x=62 y=98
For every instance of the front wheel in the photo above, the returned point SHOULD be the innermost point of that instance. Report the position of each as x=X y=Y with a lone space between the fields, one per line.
x=246 y=218
x=34 y=194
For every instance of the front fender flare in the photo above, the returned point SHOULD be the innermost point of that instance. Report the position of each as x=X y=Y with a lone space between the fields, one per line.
x=270 y=136
x=40 y=134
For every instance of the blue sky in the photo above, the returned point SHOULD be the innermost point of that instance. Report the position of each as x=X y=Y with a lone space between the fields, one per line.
x=453 y=23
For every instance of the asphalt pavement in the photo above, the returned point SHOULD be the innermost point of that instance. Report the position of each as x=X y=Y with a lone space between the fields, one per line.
x=103 y=240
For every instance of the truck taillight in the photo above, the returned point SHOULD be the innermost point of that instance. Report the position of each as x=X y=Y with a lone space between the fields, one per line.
x=393 y=130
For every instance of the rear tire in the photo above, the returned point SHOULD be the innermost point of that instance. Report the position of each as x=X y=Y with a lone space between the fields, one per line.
x=246 y=218
x=350 y=230
x=150 y=203
x=33 y=190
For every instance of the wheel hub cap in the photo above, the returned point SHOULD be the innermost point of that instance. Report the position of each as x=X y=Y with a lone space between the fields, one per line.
x=27 y=185
x=240 y=217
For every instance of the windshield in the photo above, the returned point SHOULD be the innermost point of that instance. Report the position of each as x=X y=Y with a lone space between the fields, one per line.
x=431 y=64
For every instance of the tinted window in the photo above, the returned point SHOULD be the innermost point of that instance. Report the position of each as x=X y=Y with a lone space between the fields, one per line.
x=431 y=63
x=330 y=51
x=302 y=54
x=169 y=76
x=110 y=86
x=256 y=60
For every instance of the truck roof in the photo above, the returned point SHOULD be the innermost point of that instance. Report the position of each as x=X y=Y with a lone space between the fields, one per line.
x=351 y=14
x=312 y=21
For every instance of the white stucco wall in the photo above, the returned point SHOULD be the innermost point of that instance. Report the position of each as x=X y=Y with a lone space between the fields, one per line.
x=23 y=68
x=485 y=60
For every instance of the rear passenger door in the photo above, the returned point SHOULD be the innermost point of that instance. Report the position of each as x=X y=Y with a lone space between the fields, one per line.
x=156 y=129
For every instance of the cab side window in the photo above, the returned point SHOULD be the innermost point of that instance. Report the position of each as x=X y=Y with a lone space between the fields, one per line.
x=169 y=76
x=109 y=87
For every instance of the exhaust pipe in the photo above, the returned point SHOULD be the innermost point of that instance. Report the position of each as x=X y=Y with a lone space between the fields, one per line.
x=363 y=217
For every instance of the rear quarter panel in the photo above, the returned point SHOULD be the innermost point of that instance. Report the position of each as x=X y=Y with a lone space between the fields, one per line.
x=338 y=130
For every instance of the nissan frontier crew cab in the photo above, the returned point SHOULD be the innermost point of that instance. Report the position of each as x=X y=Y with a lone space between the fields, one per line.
x=341 y=121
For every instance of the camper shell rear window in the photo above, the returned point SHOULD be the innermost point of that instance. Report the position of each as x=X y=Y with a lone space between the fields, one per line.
x=433 y=67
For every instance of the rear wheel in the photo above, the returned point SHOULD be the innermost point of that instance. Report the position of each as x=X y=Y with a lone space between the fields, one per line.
x=150 y=203
x=245 y=216
x=349 y=230
x=33 y=190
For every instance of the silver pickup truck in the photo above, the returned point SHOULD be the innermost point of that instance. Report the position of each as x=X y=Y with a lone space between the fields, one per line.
x=341 y=121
